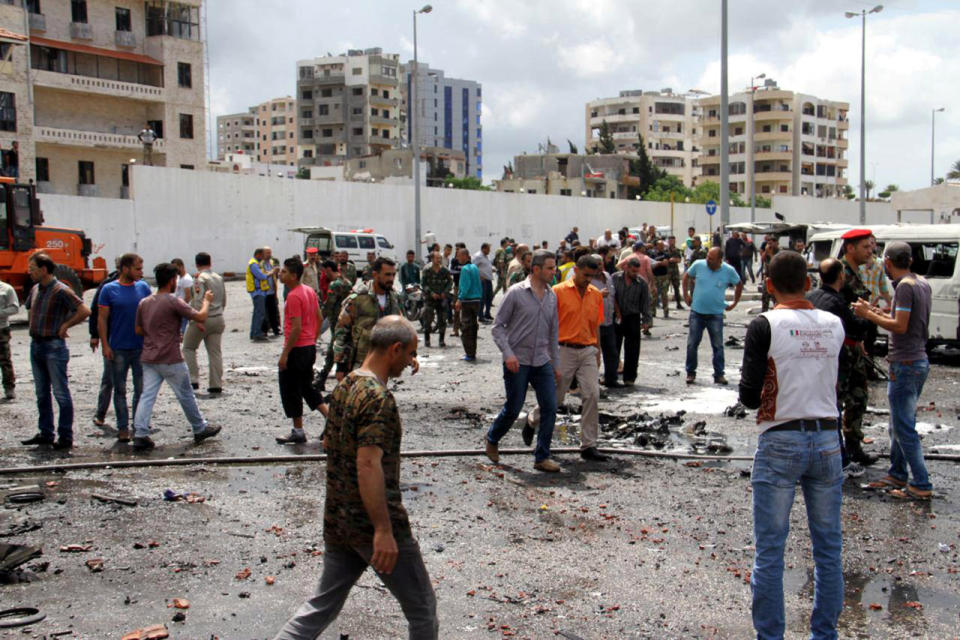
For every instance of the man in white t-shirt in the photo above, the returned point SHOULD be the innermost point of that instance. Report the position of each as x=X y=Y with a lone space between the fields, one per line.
x=184 y=288
x=608 y=240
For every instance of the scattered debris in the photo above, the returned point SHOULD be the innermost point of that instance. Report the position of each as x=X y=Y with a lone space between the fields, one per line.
x=12 y=556
x=95 y=565
x=23 y=526
x=75 y=548
x=127 y=502
x=179 y=603
x=244 y=574
x=733 y=342
x=24 y=495
x=460 y=413
x=179 y=616
x=153 y=632
x=172 y=496
x=737 y=411
x=20 y=617
x=270 y=580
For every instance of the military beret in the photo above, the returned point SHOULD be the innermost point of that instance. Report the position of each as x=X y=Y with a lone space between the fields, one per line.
x=856 y=234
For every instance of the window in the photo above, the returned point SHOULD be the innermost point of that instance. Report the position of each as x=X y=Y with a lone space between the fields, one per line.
x=357 y=91
x=356 y=71
x=374 y=112
x=367 y=242
x=386 y=94
x=326 y=133
x=86 y=172
x=8 y=111
x=78 y=13
x=307 y=133
x=346 y=242
x=184 y=75
x=307 y=94
x=123 y=20
x=784 y=128
x=186 y=126
x=357 y=131
x=385 y=133
x=43 y=170
x=33 y=6
x=357 y=111
x=565 y=192
x=326 y=93
x=166 y=18
x=306 y=113
x=125 y=175
x=323 y=110
x=308 y=153
x=187 y=166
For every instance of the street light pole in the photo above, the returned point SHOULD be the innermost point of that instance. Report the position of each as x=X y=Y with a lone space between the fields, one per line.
x=724 y=124
x=753 y=189
x=933 y=128
x=863 y=128
x=414 y=142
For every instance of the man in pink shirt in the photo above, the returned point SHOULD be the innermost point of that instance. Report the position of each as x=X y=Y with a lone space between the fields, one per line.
x=302 y=320
x=646 y=264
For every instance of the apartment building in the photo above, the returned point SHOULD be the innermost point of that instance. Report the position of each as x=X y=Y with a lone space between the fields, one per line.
x=237 y=133
x=91 y=75
x=567 y=174
x=448 y=113
x=347 y=106
x=795 y=142
x=276 y=123
x=668 y=122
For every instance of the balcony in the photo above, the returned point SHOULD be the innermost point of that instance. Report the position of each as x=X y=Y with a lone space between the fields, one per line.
x=330 y=118
x=773 y=176
x=94 y=139
x=333 y=78
x=88 y=190
x=87 y=84
x=842 y=143
x=81 y=31
x=843 y=125
x=125 y=39
x=772 y=155
x=376 y=78
x=38 y=22
x=625 y=135
x=380 y=100
x=773 y=136
x=611 y=118
x=667 y=135
x=384 y=122
x=774 y=114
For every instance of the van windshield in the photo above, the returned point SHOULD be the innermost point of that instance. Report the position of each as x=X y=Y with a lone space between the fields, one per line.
x=821 y=249
x=321 y=243
x=384 y=243
x=932 y=259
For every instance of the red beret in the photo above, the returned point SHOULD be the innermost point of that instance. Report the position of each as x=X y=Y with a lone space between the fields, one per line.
x=312 y=250
x=856 y=234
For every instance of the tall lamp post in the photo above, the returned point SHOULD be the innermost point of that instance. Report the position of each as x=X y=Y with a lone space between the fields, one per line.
x=414 y=141
x=933 y=129
x=863 y=65
x=724 y=124
x=753 y=188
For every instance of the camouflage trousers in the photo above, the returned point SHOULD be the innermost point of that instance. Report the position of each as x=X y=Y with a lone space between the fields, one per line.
x=661 y=295
x=6 y=362
x=435 y=309
x=852 y=391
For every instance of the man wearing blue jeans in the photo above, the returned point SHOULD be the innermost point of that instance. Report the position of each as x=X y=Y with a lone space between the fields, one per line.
x=116 y=316
x=790 y=361
x=908 y=324
x=158 y=321
x=257 y=286
x=525 y=330
x=704 y=287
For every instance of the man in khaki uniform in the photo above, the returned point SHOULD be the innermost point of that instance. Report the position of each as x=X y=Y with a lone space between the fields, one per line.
x=311 y=271
x=209 y=331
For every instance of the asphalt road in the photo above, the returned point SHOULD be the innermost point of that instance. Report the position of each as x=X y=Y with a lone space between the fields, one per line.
x=632 y=548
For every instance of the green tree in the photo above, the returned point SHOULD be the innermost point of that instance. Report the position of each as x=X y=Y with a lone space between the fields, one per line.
x=706 y=191
x=644 y=169
x=606 y=145
x=938 y=181
x=868 y=186
x=954 y=173
x=886 y=193
x=762 y=203
x=664 y=187
x=848 y=192
x=573 y=147
x=303 y=173
x=471 y=183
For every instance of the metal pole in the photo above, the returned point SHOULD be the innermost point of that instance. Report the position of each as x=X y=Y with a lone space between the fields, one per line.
x=933 y=127
x=415 y=144
x=863 y=116
x=752 y=175
x=724 y=125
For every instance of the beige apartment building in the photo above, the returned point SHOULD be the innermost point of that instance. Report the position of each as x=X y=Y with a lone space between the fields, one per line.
x=91 y=76
x=668 y=122
x=237 y=133
x=795 y=142
x=267 y=132
x=347 y=106
x=567 y=174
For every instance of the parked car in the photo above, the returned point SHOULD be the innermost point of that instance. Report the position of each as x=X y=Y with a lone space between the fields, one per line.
x=355 y=243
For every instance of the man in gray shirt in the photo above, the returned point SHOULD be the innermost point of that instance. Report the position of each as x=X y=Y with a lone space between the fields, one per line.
x=9 y=306
x=909 y=366
x=209 y=332
x=526 y=332
x=485 y=267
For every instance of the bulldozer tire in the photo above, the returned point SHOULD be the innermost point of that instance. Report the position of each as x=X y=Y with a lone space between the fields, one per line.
x=69 y=277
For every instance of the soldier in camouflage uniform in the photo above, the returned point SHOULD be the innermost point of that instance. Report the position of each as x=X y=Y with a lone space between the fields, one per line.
x=521 y=275
x=852 y=376
x=437 y=283
x=337 y=292
x=360 y=311
x=697 y=251
x=367 y=272
x=347 y=269
x=661 y=273
x=675 y=257
x=364 y=520
x=500 y=266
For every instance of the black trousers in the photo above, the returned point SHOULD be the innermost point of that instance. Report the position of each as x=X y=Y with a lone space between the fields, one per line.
x=628 y=336
x=611 y=354
x=296 y=382
x=272 y=321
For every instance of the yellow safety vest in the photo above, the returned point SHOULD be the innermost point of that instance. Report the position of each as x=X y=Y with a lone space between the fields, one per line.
x=252 y=282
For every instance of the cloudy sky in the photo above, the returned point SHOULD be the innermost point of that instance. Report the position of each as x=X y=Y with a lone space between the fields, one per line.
x=540 y=60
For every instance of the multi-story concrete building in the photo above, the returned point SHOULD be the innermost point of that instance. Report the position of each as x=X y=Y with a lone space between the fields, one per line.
x=92 y=75
x=347 y=106
x=448 y=113
x=567 y=174
x=668 y=123
x=276 y=122
x=795 y=142
x=237 y=132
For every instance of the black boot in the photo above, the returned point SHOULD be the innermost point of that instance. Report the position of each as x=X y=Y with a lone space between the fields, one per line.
x=426 y=339
x=442 y=342
x=856 y=453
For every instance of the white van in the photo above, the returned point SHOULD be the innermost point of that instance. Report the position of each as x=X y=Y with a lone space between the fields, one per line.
x=355 y=243
x=934 y=257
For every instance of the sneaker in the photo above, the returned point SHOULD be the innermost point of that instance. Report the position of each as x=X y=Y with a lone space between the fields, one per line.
x=647 y=333
x=691 y=378
x=853 y=470
x=123 y=436
x=38 y=439
x=591 y=453
x=214 y=391
x=548 y=466
x=260 y=339
x=100 y=422
x=293 y=438
x=63 y=445
x=527 y=433
x=208 y=432
x=469 y=358
x=195 y=386
x=721 y=380
x=143 y=444
x=9 y=394
x=493 y=452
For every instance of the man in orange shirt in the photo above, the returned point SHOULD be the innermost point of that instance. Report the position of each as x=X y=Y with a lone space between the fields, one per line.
x=580 y=310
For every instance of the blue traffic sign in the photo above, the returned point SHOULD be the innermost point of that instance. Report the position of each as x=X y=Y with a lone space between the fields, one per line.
x=711 y=207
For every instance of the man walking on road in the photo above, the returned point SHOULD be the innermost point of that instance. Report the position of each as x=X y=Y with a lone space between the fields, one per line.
x=158 y=321
x=365 y=523
x=210 y=331
x=122 y=348
x=337 y=292
x=908 y=324
x=632 y=314
x=437 y=284
x=257 y=287
x=733 y=254
x=469 y=304
x=301 y=324
x=525 y=331
x=485 y=268
x=105 y=393
x=54 y=308
x=9 y=306
x=792 y=384
x=603 y=281
x=709 y=280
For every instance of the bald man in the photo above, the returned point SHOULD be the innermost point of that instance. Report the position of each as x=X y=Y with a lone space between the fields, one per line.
x=704 y=289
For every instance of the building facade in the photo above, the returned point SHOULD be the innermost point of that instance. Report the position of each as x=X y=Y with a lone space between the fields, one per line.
x=567 y=174
x=237 y=133
x=347 y=106
x=795 y=142
x=92 y=75
x=668 y=123
x=276 y=123
x=448 y=113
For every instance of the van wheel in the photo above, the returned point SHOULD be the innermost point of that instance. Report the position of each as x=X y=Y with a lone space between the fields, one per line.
x=70 y=278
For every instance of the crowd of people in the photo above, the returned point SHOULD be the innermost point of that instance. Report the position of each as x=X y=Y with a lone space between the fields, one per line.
x=569 y=318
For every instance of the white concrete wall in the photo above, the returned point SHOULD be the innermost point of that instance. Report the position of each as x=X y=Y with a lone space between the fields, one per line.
x=800 y=209
x=176 y=213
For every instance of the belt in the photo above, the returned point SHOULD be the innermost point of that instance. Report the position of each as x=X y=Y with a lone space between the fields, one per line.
x=813 y=424
x=45 y=338
x=573 y=345
x=847 y=342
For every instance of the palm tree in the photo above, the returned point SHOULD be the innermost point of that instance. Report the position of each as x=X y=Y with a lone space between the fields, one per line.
x=868 y=187
x=954 y=173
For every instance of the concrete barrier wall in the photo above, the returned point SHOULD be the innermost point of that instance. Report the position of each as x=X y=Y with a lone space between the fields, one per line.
x=175 y=212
